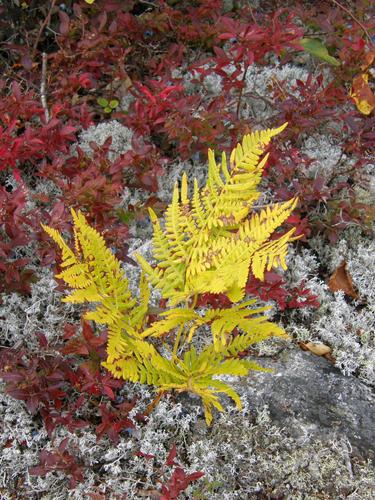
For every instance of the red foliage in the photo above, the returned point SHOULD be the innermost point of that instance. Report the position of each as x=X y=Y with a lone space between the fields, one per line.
x=178 y=480
x=114 y=421
x=275 y=288
x=57 y=388
x=178 y=483
x=59 y=460
x=14 y=234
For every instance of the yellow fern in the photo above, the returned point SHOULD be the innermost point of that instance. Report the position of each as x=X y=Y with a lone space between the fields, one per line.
x=207 y=243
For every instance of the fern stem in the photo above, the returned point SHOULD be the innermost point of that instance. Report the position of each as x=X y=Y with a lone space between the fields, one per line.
x=194 y=303
x=177 y=341
x=179 y=333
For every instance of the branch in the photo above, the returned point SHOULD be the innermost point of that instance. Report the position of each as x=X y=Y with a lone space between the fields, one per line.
x=354 y=19
x=43 y=25
x=43 y=96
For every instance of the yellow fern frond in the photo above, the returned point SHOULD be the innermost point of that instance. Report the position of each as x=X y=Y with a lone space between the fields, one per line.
x=93 y=272
x=68 y=256
x=207 y=243
x=246 y=155
x=173 y=318
x=139 y=314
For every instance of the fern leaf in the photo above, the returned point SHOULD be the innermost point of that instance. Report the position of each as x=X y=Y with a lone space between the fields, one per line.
x=139 y=313
x=246 y=155
x=173 y=225
x=226 y=389
x=174 y=318
x=68 y=256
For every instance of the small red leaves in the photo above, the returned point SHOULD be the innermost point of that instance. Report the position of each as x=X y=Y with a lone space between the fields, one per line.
x=88 y=342
x=113 y=421
x=178 y=483
x=59 y=460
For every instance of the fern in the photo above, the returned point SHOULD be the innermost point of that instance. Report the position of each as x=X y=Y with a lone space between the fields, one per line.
x=207 y=243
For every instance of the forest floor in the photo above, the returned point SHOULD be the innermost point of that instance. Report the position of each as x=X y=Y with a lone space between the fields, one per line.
x=104 y=105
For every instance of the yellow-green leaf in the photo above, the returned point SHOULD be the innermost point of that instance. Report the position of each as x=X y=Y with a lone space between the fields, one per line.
x=317 y=48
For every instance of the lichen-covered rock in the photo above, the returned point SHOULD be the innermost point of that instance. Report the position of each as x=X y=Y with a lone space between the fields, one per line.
x=310 y=396
x=121 y=138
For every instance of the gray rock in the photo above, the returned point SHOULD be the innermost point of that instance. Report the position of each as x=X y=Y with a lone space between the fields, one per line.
x=308 y=395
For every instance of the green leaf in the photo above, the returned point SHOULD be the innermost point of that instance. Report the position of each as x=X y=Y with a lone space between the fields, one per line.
x=125 y=217
x=316 y=48
x=102 y=102
x=107 y=110
x=114 y=103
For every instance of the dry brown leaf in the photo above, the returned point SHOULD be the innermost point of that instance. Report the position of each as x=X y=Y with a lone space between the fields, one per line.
x=318 y=349
x=341 y=280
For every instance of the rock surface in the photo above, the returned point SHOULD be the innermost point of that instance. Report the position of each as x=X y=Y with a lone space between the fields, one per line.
x=308 y=395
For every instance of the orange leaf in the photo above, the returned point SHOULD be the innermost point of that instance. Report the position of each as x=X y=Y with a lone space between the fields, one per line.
x=362 y=94
x=369 y=57
x=341 y=280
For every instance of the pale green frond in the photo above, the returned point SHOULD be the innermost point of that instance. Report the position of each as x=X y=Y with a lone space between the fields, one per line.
x=80 y=296
x=174 y=318
x=226 y=389
x=206 y=244
x=245 y=156
x=160 y=242
x=139 y=313
x=214 y=182
x=184 y=190
x=198 y=208
x=271 y=255
x=173 y=225
x=229 y=367
x=224 y=167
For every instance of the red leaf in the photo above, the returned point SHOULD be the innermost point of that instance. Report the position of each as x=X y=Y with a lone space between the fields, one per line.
x=64 y=22
x=226 y=36
x=63 y=444
x=107 y=390
x=69 y=331
x=42 y=339
x=171 y=456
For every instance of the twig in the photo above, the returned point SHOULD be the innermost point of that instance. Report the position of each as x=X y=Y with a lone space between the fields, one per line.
x=252 y=13
x=43 y=96
x=354 y=19
x=145 y=2
x=241 y=92
x=43 y=25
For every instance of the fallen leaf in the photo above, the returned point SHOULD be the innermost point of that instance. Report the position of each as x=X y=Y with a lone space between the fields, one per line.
x=362 y=94
x=341 y=280
x=318 y=349
x=369 y=58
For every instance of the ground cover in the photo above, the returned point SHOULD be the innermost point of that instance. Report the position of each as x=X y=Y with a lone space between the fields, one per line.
x=104 y=105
